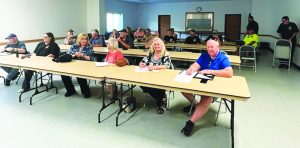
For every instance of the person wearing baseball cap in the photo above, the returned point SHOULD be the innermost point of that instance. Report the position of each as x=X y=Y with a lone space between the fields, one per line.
x=13 y=46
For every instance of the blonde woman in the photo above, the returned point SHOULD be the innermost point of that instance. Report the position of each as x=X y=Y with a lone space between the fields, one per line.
x=158 y=58
x=81 y=50
x=113 y=55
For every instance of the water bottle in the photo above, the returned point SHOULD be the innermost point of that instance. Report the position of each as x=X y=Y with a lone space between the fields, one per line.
x=223 y=37
x=17 y=53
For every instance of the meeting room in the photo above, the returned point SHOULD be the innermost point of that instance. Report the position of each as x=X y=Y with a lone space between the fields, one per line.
x=149 y=73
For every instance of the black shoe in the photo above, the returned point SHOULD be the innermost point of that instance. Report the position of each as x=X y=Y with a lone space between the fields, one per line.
x=7 y=82
x=187 y=108
x=87 y=95
x=160 y=110
x=68 y=94
x=187 y=130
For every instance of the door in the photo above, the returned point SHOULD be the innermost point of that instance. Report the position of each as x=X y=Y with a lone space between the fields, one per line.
x=232 y=27
x=164 y=23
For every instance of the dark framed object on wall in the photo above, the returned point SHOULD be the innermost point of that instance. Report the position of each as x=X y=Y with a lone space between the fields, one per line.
x=199 y=21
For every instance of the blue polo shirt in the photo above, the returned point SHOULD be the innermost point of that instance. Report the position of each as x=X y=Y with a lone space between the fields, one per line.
x=220 y=62
x=96 y=41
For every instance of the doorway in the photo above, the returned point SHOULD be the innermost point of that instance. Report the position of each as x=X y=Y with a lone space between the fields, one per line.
x=164 y=23
x=232 y=27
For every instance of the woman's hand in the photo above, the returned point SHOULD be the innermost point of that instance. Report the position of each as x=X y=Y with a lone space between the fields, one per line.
x=78 y=54
x=142 y=65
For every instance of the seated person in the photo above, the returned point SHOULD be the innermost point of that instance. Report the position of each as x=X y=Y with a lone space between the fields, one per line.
x=81 y=50
x=47 y=48
x=251 y=38
x=211 y=62
x=69 y=40
x=154 y=35
x=114 y=34
x=139 y=34
x=192 y=39
x=169 y=38
x=129 y=32
x=124 y=40
x=112 y=56
x=13 y=46
x=158 y=58
x=96 y=40
x=147 y=35
x=173 y=32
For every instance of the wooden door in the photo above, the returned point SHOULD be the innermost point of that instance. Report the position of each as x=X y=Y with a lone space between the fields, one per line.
x=232 y=27
x=164 y=23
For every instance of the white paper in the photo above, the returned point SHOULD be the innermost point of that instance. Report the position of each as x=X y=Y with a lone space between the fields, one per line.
x=101 y=64
x=4 y=53
x=184 y=78
x=145 y=69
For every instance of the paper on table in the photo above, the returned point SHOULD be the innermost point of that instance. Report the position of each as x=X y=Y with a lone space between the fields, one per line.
x=100 y=64
x=184 y=78
x=145 y=69
x=4 y=53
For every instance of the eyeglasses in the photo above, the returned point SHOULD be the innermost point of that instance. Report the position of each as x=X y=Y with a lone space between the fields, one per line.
x=215 y=38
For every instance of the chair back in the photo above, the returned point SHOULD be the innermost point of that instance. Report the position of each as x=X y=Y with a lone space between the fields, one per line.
x=245 y=51
x=282 y=49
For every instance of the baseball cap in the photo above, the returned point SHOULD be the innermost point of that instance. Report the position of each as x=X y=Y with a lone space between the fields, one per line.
x=11 y=36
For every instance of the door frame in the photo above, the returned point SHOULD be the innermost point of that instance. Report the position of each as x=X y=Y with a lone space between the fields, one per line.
x=159 y=31
x=240 y=15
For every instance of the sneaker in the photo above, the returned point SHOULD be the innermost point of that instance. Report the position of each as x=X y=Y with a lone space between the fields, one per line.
x=22 y=90
x=7 y=82
x=87 y=95
x=187 y=129
x=160 y=110
x=187 y=108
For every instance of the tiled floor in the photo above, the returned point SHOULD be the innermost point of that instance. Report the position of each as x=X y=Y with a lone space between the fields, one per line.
x=269 y=119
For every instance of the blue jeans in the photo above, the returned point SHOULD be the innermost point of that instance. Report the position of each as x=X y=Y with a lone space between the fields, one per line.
x=12 y=73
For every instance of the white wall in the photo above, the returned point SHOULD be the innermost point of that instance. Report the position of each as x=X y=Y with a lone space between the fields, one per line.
x=93 y=15
x=129 y=11
x=148 y=13
x=268 y=14
x=30 y=19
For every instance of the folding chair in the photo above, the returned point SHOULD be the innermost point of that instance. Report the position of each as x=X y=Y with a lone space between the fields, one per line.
x=248 y=56
x=215 y=99
x=282 y=52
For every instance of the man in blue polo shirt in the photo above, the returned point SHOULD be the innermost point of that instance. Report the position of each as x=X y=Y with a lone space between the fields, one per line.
x=14 y=46
x=212 y=62
x=96 y=40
